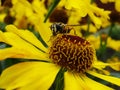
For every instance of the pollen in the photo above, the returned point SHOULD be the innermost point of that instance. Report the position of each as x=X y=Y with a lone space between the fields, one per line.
x=72 y=53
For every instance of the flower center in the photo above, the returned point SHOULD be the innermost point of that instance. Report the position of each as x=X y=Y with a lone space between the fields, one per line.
x=72 y=52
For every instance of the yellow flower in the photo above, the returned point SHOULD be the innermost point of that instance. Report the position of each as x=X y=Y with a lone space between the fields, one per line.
x=2 y=16
x=41 y=73
x=27 y=13
x=84 y=7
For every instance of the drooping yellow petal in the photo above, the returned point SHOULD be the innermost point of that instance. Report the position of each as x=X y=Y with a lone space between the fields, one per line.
x=114 y=63
x=110 y=79
x=29 y=76
x=21 y=46
x=101 y=65
x=95 y=85
x=26 y=35
x=74 y=82
x=18 y=53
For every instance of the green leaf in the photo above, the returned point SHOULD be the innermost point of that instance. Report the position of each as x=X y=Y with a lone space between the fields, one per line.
x=115 y=32
x=58 y=84
x=51 y=8
x=2 y=26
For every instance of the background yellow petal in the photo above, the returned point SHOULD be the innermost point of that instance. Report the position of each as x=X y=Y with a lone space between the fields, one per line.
x=117 y=5
x=95 y=85
x=79 y=5
x=21 y=46
x=101 y=65
x=74 y=82
x=95 y=19
x=114 y=63
x=114 y=44
x=110 y=79
x=26 y=35
x=29 y=76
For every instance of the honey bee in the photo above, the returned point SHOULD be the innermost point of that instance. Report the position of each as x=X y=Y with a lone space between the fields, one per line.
x=61 y=28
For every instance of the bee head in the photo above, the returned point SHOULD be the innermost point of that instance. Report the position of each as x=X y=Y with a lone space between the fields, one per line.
x=57 y=28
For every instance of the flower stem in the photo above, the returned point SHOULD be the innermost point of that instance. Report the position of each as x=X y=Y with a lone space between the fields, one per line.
x=51 y=8
x=88 y=27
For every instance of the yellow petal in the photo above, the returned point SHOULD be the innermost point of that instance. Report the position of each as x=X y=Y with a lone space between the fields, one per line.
x=45 y=32
x=103 y=65
x=95 y=19
x=114 y=44
x=104 y=1
x=1 y=40
x=92 y=28
x=2 y=16
x=95 y=41
x=21 y=45
x=114 y=63
x=18 y=53
x=80 y=5
x=2 y=37
x=29 y=76
x=26 y=35
x=42 y=28
x=110 y=79
x=74 y=82
x=117 y=5
x=95 y=85
x=72 y=4
x=100 y=65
